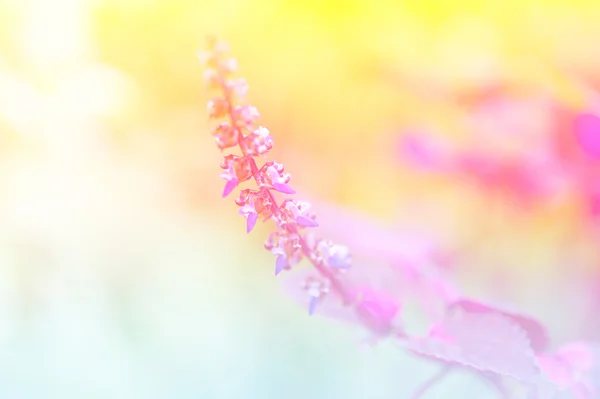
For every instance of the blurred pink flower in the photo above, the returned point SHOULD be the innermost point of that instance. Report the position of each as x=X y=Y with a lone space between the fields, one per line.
x=587 y=131
x=527 y=178
x=577 y=145
x=424 y=151
x=561 y=156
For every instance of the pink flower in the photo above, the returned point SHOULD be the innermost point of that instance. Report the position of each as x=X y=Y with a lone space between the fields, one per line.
x=259 y=200
x=226 y=136
x=231 y=178
x=300 y=212
x=237 y=170
x=259 y=142
x=230 y=64
x=217 y=107
x=334 y=255
x=316 y=288
x=287 y=247
x=211 y=77
x=246 y=115
x=238 y=86
x=273 y=174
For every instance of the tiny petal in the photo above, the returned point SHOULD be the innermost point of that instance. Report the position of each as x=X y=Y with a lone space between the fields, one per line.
x=211 y=78
x=203 y=56
x=316 y=288
x=299 y=211
x=339 y=257
x=239 y=86
x=259 y=142
x=306 y=222
x=226 y=136
x=246 y=115
x=217 y=107
x=249 y=212
x=283 y=188
x=251 y=221
x=274 y=175
x=312 y=305
x=229 y=186
x=230 y=64
x=280 y=264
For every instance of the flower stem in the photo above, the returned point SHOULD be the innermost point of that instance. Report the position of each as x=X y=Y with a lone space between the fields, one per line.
x=425 y=386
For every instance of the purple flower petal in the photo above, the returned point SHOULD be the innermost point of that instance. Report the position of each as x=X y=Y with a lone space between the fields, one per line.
x=229 y=186
x=251 y=221
x=283 y=188
x=280 y=264
x=312 y=305
x=306 y=222
x=339 y=264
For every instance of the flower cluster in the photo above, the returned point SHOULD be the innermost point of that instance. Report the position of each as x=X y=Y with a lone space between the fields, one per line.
x=492 y=341
x=237 y=127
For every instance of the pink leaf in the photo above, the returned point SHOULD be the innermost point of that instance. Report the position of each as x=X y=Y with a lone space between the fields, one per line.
x=486 y=342
x=536 y=332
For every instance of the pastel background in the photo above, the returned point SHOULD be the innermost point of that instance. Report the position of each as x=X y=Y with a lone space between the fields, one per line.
x=123 y=274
